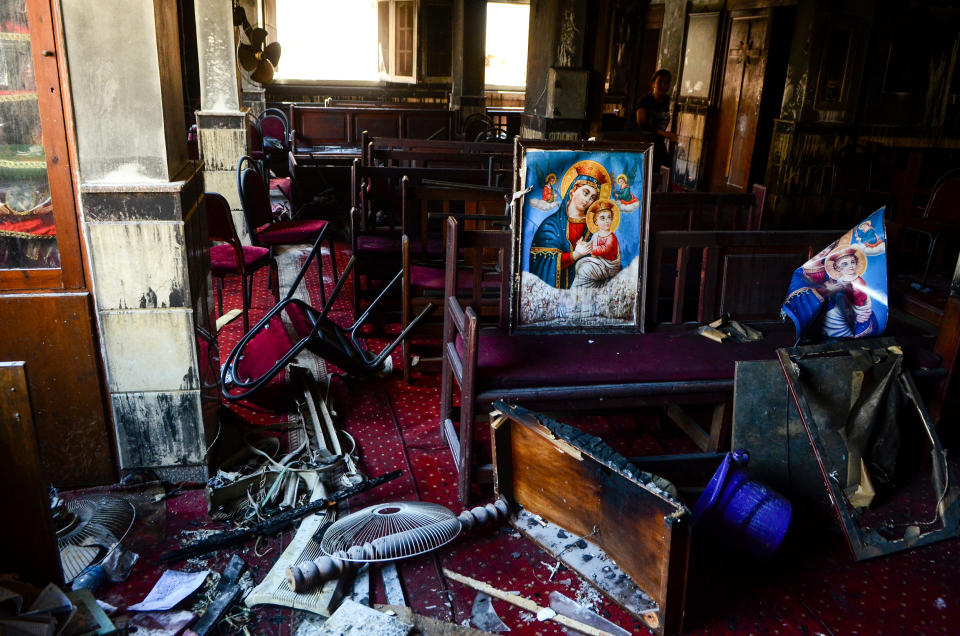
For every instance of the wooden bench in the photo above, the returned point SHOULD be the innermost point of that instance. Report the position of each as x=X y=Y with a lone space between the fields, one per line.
x=657 y=368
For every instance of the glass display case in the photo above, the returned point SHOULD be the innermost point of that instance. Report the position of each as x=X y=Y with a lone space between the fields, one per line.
x=28 y=234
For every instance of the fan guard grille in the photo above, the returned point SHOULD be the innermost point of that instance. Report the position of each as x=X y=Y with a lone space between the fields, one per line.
x=93 y=526
x=389 y=531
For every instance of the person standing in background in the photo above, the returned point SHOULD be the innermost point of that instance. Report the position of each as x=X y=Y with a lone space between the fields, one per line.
x=653 y=115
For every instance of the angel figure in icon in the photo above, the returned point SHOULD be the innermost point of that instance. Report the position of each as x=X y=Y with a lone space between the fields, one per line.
x=868 y=238
x=628 y=202
x=549 y=193
x=549 y=197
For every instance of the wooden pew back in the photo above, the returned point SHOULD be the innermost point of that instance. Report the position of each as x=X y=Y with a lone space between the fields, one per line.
x=745 y=274
x=380 y=187
x=317 y=126
x=707 y=210
x=437 y=145
x=426 y=208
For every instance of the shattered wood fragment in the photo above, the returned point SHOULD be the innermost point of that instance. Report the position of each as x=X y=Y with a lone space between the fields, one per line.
x=524 y=603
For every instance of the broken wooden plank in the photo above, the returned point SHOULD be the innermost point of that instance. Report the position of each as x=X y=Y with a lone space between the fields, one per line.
x=525 y=603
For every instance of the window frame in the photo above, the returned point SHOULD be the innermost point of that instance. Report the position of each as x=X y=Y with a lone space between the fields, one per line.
x=388 y=72
x=507 y=88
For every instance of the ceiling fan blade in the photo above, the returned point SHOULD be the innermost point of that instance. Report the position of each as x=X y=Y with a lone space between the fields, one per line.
x=272 y=53
x=264 y=72
x=247 y=57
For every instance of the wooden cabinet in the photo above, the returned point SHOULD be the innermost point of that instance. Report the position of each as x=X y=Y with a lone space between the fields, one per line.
x=45 y=304
x=740 y=99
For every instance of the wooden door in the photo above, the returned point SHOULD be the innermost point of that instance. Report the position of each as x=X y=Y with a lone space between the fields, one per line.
x=740 y=97
x=46 y=309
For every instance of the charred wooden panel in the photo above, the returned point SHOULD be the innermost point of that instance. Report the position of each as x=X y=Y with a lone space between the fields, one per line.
x=425 y=125
x=314 y=128
x=767 y=425
x=576 y=481
x=52 y=333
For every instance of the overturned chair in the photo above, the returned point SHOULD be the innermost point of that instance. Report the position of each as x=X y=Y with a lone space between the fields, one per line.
x=274 y=342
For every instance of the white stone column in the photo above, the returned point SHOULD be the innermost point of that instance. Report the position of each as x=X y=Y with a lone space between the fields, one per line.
x=144 y=223
x=222 y=119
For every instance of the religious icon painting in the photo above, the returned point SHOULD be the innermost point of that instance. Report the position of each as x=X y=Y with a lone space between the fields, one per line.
x=842 y=291
x=580 y=235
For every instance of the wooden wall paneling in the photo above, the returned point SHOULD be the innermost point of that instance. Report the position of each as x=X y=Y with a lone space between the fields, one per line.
x=28 y=544
x=52 y=333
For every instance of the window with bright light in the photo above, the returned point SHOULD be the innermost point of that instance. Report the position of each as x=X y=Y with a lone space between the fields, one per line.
x=328 y=40
x=506 y=63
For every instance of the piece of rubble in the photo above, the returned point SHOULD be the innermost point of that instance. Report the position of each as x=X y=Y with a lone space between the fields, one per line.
x=352 y=618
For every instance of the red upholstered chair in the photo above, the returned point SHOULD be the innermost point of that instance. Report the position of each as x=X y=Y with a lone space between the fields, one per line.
x=232 y=257
x=274 y=131
x=265 y=232
x=267 y=348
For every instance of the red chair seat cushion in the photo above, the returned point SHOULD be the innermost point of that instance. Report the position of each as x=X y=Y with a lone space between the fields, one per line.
x=427 y=277
x=264 y=349
x=291 y=231
x=566 y=360
x=223 y=258
x=378 y=244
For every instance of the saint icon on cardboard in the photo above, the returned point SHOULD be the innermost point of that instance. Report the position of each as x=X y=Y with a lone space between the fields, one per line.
x=842 y=291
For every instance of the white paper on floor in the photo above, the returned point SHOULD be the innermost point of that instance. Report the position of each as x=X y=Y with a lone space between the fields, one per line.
x=172 y=588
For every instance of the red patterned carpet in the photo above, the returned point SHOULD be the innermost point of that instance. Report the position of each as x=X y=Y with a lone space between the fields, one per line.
x=811 y=587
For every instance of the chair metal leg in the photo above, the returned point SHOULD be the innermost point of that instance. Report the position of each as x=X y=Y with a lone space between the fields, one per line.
x=218 y=284
x=356 y=292
x=926 y=268
x=246 y=283
x=333 y=261
x=323 y=290
x=246 y=291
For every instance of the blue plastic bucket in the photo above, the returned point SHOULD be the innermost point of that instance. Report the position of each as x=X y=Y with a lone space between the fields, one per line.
x=741 y=511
